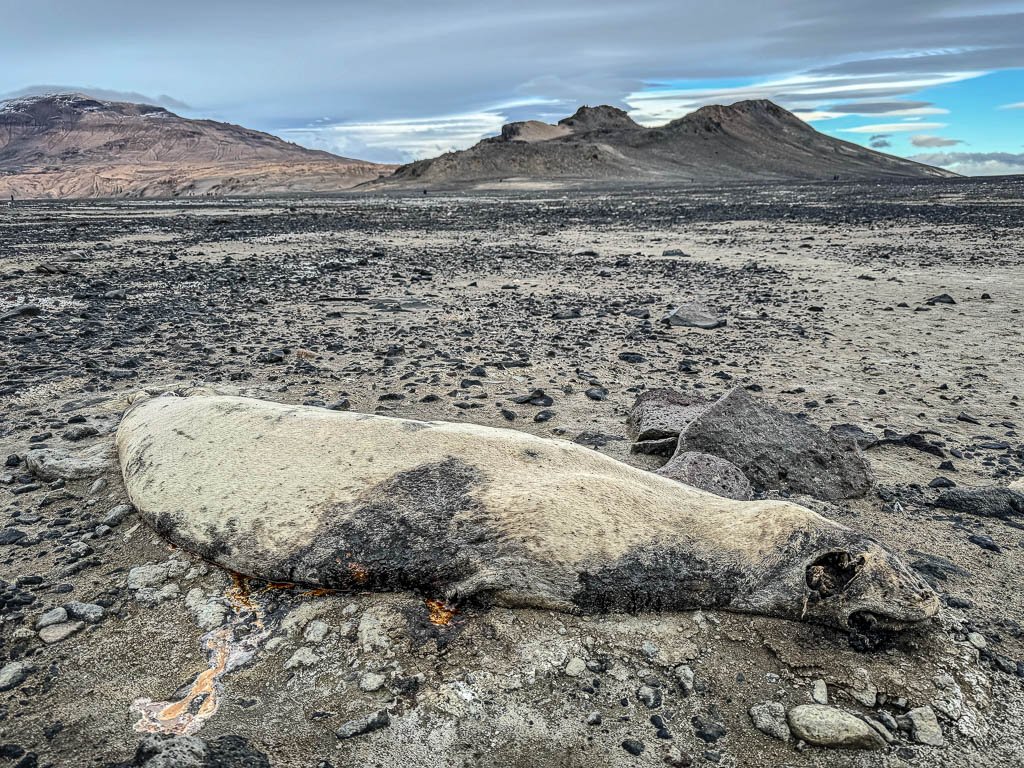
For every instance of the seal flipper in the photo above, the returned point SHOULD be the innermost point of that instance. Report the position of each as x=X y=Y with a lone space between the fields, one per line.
x=509 y=585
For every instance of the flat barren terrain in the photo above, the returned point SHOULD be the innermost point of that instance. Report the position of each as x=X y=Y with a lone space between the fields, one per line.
x=896 y=308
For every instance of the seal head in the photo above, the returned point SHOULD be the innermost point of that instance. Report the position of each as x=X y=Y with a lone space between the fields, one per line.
x=851 y=582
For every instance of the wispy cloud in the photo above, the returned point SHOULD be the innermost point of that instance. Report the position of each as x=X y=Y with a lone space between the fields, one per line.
x=804 y=93
x=1018 y=105
x=934 y=141
x=894 y=127
x=399 y=140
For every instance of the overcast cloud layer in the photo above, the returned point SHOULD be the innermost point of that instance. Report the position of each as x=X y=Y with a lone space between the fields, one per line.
x=396 y=79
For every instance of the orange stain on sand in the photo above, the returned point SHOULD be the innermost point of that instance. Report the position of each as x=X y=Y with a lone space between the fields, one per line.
x=225 y=652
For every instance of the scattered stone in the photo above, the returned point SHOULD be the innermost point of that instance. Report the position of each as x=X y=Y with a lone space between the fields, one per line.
x=316 y=631
x=709 y=473
x=985 y=542
x=693 y=315
x=924 y=726
x=90 y=613
x=11 y=536
x=168 y=751
x=303 y=657
x=78 y=432
x=633 y=746
x=769 y=717
x=116 y=515
x=364 y=725
x=650 y=697
x=819 y=692
x=537 y=397
x=154 y=574
x=985 y=502
x=685 y=676
x=51 y=617
x=13 y=674
x=371 y=682
x=826 y=726
x=575 y=667
x=51 y=464
x=707 y=730
x=209 y=612
x=54 y=633
x=942 y=298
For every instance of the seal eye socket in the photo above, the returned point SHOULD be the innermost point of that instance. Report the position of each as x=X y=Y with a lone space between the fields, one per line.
x=831 y=573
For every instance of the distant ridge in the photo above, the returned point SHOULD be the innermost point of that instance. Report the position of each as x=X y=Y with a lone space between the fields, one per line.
x=747 y=141
x=67 y=145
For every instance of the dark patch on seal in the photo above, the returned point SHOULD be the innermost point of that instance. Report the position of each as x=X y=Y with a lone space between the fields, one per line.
x=420 y=530
x=658 y=578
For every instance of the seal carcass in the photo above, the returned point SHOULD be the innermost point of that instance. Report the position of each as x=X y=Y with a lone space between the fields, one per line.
x=469 y=513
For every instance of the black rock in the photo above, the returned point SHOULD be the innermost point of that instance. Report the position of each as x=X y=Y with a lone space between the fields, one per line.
x=942 y=482
x=11 y=535
x=942 y=298
x=597 y=393
x=274 y=356
x=985 y=542
x=635 y=747
x=537 y=397
x=985 y=502
x=223 y=752
x=708 y=730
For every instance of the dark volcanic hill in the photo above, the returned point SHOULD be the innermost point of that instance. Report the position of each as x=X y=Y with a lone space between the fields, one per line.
x=70 y=145
x=748 y=141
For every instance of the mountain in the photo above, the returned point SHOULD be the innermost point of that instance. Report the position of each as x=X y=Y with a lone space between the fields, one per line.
x=748 y=141
x=71 y=145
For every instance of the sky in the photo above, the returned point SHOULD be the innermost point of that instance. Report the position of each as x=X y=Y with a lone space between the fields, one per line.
x=940 y=81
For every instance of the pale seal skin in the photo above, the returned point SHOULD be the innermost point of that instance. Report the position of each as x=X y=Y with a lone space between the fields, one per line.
x=489 y=516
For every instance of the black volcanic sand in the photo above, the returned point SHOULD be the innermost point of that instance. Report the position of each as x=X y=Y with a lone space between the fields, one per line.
x=450 y=307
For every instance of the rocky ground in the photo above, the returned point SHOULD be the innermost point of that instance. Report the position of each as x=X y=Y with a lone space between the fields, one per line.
x=452 y=307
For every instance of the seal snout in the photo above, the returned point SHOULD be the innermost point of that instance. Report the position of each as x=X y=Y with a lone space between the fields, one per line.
x=875 y=589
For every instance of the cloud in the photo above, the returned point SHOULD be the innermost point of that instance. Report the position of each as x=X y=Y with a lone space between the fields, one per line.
x=803 y=93
x=934 y=141
x=1018 y=105
x=97 y=93
x=399 y=140
x=877 y=142
x=878 y=107
x=894 y=127
x=975 y=163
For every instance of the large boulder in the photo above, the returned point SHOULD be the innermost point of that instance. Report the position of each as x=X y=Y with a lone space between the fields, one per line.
x=659 y=415
x=709 y=473
x=774 y=449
